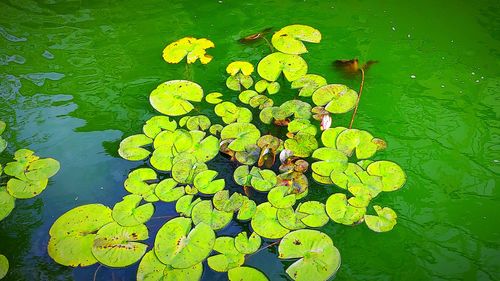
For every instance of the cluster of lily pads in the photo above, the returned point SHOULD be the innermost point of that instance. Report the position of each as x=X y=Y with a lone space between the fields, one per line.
x=177 y=146
x=24 y=178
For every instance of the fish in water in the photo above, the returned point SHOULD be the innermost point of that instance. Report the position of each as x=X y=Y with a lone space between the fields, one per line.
x=351 y=67
x=256 y=36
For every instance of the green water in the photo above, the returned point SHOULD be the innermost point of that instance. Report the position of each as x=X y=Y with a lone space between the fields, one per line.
x=75 y=78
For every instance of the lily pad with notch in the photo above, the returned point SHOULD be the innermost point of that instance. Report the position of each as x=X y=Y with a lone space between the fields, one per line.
x=392 y=176
x=308 y=84
x=174 y=97
x=336 y=98
x=340 y=211
x=245 y=273
x=205 y=182
x=168 y=190
x=156 y=124
x=184 y=206
x=152 y=269
x=7 y=203
x=292 y=66
x=384 y=221
x=265 y=222
x=244 y=134
x=142 y=182
x=229 y=256
x=289 y=39
x=129 y=213
x=204 y=212
x=189 y=47
x=223 y=202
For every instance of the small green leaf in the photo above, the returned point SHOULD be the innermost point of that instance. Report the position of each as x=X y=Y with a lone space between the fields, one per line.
x=191 y=47
x=214 y=98
x=265 y=222
x=129 y=213
x=235 y=67
x=223 y=202
x=228 y=258
x=156 y=124
x=4 y=263
x=353 y=139
x=281 y=197
x=204 y=212
x=332 y=160
x=384 y=221
x=247 y=209
x=393 y=177
x=173 y=97
x=168 y=191
x=244 y=134
x=292 y=66
x=137 y=182
x=247 y=245
x=340 y=211
x=308 y=84
x=336 y=98
x=205 y=183
x=152 y=269
x=7 y=203
x=245 y=273
x=314 y=213
x=289 y=39
x=302 y=145
x=184 y=206
x=291 y=219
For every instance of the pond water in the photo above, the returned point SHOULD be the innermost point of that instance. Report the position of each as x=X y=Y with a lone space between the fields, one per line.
x=75 y=77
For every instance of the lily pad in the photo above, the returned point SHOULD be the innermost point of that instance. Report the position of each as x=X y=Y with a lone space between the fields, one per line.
x=241 y=175
x=302 y=126
x=205 y=183
x=246 y=95
x=347 y=177
x=393 y=177
x=329 y=136
x=184 y=206
x=116 y=246
x=260 y=101
x=199 y=122
x=249 y=156
x=247 y=245
x=319 y=258
x=247 y=209
x=332 y=160
x=156 y=124
x=308 y=84
x=129 y=213
x=152 y=269
x=7 y=203
x=179 y=246
x=206 y=150
x=292 y=66
x=239 y=66
x=239 y=82
x=24 y=189
x=297 y=180
x=174 y=97
x=191 y=47
x=214 y=98
x=351 y=140
x=29 y=167
x=302 y=145
x=281 y=197
x=186 y=169
x=215 y=129
x=229 y=256
x=291 y=219
x=73 y=233
x=263 y=179
x=4 y=265
x=223 y=202
x=271 y=87
x=289 y=39
x=244 y=134
x=314 y=213
x=340 y=211
x=138 y=182
x=297 y=108
x=384 y=221
x=231 y=113
x=265 y=222
x=204 y=212
x=168 y=191
x=245 y=273
x=336 y=98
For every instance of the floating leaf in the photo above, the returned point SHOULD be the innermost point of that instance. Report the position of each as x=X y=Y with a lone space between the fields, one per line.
x=204 y=212
x=199 y=122
x=308 y=84
x=336 y=98
x=291 y=219
x=191 y=47
x=213 y=98
x=353 y=139
x=73 y=233
x=7 y=203
x=281 y=197
x=340 y=211
x=239 y=82
x=262 y=179
x=265 y=222
x=329 y=136
x=206 y=150
x=4 y=263
x=241 y=175
x=244 y=134
x=155 y=125
x=362 y=195
x=289 y=39
x=319 y=258
x=260 y=101
x=231 y=113
x=168 y=191
x=247 y=209
x=264 y=85
x=205 y=183
x=247 y=245
x=249 y=156
x=184 y=206
x=302 y=145
x=179 y=246
x=184 y=170
x=302 y=126
x=384 y=221
x=137 y=182
x=239 y=66
x=215 y=129
x=347 y=177
x=314 y=213
x=245 y=273
x=223 y=202
x=292 y=66
x=297 y=108
x=129 y=213
x=24 y=189
x=246 y=95
x=393 y=177
x=229 y=256
x=297 y=180
x=152 y=269
x=332 y=160
x=173 y=97
x=116 y=246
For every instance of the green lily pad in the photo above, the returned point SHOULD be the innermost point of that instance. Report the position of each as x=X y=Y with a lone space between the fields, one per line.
x=191 y=190
x=260 y=101
x=336 y=98
x=249 y=156
x=239 y=82
x=206 y=150
x=263 y=180
x=297 y=108
x=152 y=269
x=24 y=189
x=373 y=184
x=231 y=113
x=215 y=129
x=179 y=246
x=168 y=190
x=7 y=203
x=186 y=169
x=156 y=124
x=199 y=122
x=244 y=134
x=245 y=273
x=353 y=139
x=246 y=95
x=223 y=202
x=264 y=85
x=291 y=219
x=321 y=179
x=184 y=206
x=332 y=160
x=247 y=210
x=73 y=233
x=189 y=47
x=241 y=175
x=281 y=197
x=319 y=258
x=4 y=265
x=205 y=183
x=162 y=158
x=302 y=145
x=243 y=67
x=137 y=182
x=265 y=222
x=393 y=177
x=340 y=211
x=362 y=195
x=173 y=97
x=116 y=246
x=308 y=84
x=29 y=167
x=204 y=212
x=247 y=245
x=297 y=180
x=329 y=136
x=302 y=126
x=347 y=177
x=292 y=66
x=214 y=98
x=129 y=213
x=314 y=213
x=229 y=256
x=289 y=39
x=384 y=221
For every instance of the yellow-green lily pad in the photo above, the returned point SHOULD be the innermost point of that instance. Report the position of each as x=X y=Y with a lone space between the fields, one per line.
x=205 y=183
x=239 y=82
x=393 y=177
x=156 y=124
x=245 y=273
x=384 y=221
x=340 y=211
x=247 y=245
x=292 y=66
x=229 y=256
x=247 y=209
x=168 y=190
x=214 y=98
x=314 y=213
x=184 y=206
x=223 y=202
x=138 y=182
x=239 y=66
x=331 y=160
x=152 y=269
x=281 y=197
x=302 y=145
x=189 y=47
x=244 y=134
x=204 y=212
x=289 y=39
x=308 y=84
x=129 y=213
x=174 y=97
x=7 y=203
x=265 y=222
x=336 y=98
x=4 y=265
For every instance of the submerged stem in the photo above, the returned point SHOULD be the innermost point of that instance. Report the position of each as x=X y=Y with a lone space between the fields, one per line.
x=95 y=273
x=263 y=248
x=359 y=97
x=268 y=44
